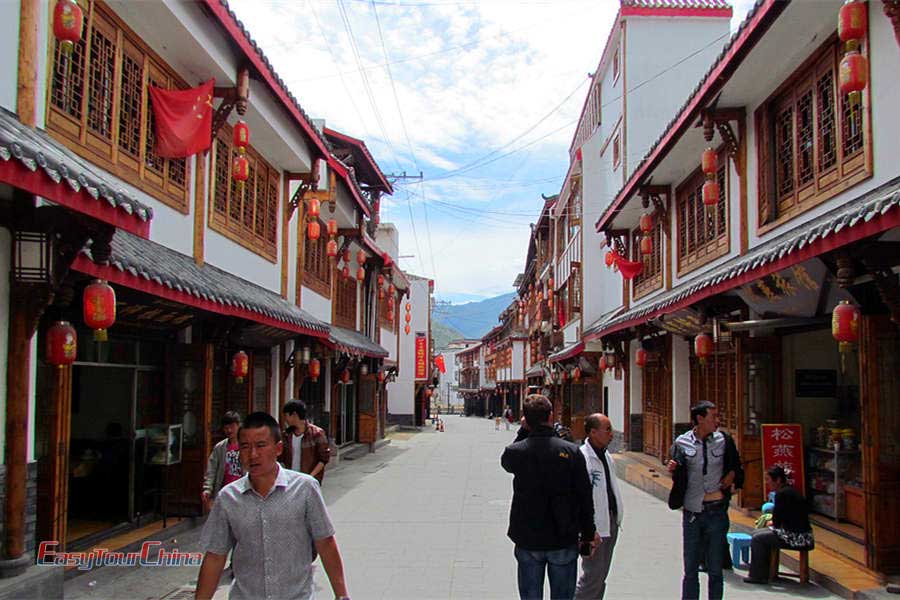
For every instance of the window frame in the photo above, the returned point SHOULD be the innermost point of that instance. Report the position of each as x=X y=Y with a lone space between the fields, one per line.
x=107 y=150
x=650 y=278
x=344 y=301
x=616 y=151
x=318 y=278
x=848 y=169
x=691 y=191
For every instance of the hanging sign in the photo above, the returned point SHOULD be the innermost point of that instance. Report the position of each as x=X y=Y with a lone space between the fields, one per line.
x=782 y=445
x=421 y=358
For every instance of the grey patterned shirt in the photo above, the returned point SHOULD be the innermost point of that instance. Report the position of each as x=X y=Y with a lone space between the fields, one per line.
x=273 y=537
x=704 y=476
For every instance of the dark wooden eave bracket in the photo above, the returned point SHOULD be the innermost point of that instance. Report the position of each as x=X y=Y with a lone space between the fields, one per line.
x=719 y=119
x=232 y=97
x=652 y=194
x=617 y=239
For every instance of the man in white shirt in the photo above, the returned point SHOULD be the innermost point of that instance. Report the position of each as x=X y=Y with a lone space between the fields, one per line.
x=608 y=508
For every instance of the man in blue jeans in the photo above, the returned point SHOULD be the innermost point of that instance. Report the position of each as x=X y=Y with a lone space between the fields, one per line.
x=707 y=462
x=552 y=507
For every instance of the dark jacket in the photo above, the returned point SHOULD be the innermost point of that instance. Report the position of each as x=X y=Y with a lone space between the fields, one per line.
x=552 y=502
x=680 y=475
x=314 y=449
x=791 y=511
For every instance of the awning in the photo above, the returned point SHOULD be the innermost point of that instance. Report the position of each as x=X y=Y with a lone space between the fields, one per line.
x=534 y=371
x=33 y=161
x=870 y=214
x=149 y=267
x=353 y=342
x=570 y=351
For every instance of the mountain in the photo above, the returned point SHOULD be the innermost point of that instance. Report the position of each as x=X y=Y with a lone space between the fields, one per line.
x=443 y=334
x=472 y=319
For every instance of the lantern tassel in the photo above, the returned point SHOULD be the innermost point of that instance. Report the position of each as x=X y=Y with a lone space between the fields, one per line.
x=239 y=380
x=100 y=335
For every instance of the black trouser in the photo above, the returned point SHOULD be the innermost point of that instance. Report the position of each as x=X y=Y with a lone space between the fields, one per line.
x=761 y=546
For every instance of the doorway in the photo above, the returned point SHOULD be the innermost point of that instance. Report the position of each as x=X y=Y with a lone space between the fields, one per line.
x=345 y=430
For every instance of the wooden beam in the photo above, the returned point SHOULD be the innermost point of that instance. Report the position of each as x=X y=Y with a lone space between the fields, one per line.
x=26 y=96
x=200 y=208
x=743 y=225
x=285 y=230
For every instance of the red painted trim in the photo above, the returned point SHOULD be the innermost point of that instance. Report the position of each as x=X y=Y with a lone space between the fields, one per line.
x=83 y=264
x=820 y=246
x=39 y=183
x=573 y=352
x=365 y=150
x=674 y=11
x=715 y=80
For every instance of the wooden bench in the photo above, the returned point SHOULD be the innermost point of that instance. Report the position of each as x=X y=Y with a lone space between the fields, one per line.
x=776 y=560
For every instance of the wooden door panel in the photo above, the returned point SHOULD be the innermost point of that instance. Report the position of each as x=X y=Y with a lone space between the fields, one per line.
x=368 y=421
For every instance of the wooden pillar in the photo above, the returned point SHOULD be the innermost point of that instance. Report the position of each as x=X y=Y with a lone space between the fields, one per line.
x=200 y=207
x=209 y=357
x=29 y=18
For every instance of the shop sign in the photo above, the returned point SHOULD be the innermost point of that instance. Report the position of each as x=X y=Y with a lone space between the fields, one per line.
x=815 y=383
x=782 y=445
x=421 y=355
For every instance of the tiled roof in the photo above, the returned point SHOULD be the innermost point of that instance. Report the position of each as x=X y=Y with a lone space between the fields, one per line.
x=695 y=4
x=153 y=262
x=35 y=150
x=353 y=342
x=570 y=351
x=877 y=202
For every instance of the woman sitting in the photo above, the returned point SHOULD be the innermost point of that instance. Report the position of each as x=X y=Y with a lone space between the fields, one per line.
x=790 y=527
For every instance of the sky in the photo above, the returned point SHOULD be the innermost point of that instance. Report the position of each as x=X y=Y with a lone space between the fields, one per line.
x=480 y=96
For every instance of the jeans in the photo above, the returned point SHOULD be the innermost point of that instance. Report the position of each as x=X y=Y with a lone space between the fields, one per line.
x=562 y=569
x=703 y=533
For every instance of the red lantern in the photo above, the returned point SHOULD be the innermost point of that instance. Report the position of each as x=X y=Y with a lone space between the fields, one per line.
x=640 y=358
x=602 y=364
x=576 y=374
x=703 y=347
x=646 y=245
x=550 y=283
x=240 y=169
x=854 y=74
x=346 y=255
x=62 y=344
x=360 y=257
x=408 y=317
x=313 y=230
x=68 y=22
x=406 y=329
x=852 y=21
x=609 y=259
x=361 y=274
x=646 y=223
x=381 y=376
x=241 y=136
x=331 y=248
x=550 y=302
x=710 y=193
x=845 y=324
x=99 y=308
x=392 y=291
x=315 y=369
x=332 y=228
x=345 y=375
x=313 y=207
x=380 y=280
x=345 y=272
x=240 y=366
x=408 y=307
x=710 y=162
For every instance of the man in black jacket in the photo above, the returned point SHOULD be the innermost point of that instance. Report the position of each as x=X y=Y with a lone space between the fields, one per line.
x=552 y=507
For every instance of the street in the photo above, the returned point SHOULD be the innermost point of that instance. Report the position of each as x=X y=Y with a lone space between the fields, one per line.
x=426 y=516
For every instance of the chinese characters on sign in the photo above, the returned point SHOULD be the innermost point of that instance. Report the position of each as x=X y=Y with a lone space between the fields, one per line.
x=421 y=355
x=782 y=445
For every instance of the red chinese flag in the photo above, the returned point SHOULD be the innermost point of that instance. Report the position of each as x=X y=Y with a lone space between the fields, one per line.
x=183 y=120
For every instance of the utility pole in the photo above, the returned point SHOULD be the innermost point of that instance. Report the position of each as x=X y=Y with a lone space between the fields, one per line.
x=395 y=177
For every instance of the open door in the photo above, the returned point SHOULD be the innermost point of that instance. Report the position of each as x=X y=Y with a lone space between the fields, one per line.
x=368 y=409
x=880 y=396
x=657 y=401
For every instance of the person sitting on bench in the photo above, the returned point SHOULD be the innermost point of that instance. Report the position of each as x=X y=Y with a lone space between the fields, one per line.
x=790 y=528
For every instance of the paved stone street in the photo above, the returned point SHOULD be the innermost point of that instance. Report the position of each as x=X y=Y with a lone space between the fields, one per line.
x=425 y=517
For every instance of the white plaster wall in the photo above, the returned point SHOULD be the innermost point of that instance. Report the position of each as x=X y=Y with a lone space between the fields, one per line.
x=316 y=305
x=289 y=379
x=616 y=399
x=9 y=48
x=389 y=343
x=234 y=258
x=388 y=239
x=636 y=375
x=275 y=369
x=681 y=380
x=518 y=360
x=420 y=299
x=572 y=331
x=657 y=86
x=5 y=265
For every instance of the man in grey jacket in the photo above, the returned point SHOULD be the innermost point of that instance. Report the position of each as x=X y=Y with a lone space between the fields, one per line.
x=224 y=464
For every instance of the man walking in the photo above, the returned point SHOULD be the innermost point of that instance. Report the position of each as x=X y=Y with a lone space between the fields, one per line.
x=552 y=509
x=224 y=463
x=306 y=449
x=608 y=507
x=705 y=465
x=276 y=522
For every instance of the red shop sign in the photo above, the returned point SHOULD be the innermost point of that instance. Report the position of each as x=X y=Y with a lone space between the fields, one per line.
x=421 y=351
x=782 y=445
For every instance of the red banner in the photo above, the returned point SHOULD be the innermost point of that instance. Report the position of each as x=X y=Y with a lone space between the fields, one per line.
x=439 y=363
x=421 y=358
x=782 y=445
x=183 y=119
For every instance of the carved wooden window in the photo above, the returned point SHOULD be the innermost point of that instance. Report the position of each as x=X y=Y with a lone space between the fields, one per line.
x=650 y=278
x=345 y=302
x=100 y=109
x=247 y=214
x=702 y=233
x=716 y=381
x=573 y=289
x=317 y=269
x=811 y=141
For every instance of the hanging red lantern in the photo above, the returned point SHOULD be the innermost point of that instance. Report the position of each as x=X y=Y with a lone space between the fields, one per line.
x=854 y=74
x=240 y=366
x=313 y=207
x=550 y=283
x=408 y=307
x=380 y=280
x=345 y=272
x=852 y=21
x=315 y=369
x=646 y=245
x=610 y=358
x=345 y=376
x=550 y=302
x=313 y=230
x=646 y=223
x=346 y=255
x=99 y=308
x=360 y=257
x=703 y=347
x=640 y=358
x=332 y=228
x=710 y=162
x=68 y=23
x=710 y=193
x=240 y=137
x=845 y=325
x=62 y=344
x=602 y=363
x=331 y=248
x=361 y=274
x=609 y=259
x=406 y=329
x=240 y=169
x=392 y=291
x=408 y=317
x=576 y=374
